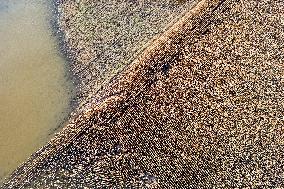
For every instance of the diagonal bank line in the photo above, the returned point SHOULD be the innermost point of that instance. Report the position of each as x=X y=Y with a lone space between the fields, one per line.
x=56 y=148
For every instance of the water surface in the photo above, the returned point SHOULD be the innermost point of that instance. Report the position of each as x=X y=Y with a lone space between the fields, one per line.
x=34 y=91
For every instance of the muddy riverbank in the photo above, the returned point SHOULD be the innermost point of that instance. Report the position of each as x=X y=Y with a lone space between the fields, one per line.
x=140 y=21
x=200 y=107
x=116 y=52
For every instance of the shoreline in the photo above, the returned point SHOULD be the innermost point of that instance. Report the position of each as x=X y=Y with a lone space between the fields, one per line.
x=80 y=119
x=35 y=35
x=62 y=47
x=201 y=107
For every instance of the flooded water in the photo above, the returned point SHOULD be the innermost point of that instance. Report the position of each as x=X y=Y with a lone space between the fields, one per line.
x=34 y=91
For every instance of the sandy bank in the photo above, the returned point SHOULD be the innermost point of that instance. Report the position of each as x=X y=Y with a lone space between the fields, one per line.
x=201 y=107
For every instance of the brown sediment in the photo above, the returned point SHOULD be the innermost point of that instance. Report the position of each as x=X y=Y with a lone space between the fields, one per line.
x=202 y=107
x=34 y=90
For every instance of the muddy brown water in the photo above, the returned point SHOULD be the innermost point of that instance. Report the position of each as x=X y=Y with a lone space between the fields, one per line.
x=35 y=93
